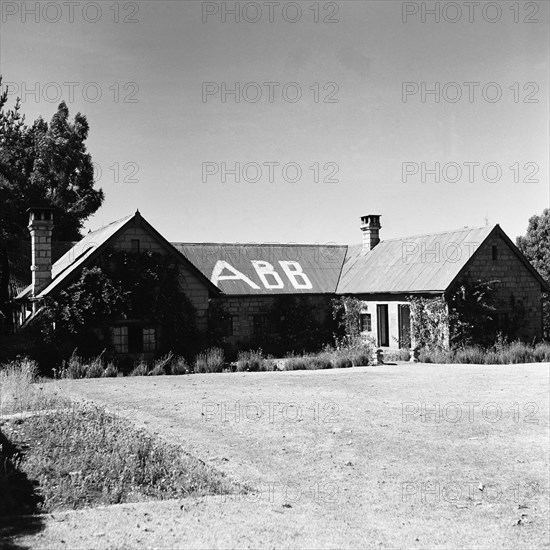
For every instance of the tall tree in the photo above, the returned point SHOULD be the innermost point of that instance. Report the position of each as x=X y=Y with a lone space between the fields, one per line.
x=42 y=164
x=536 y=247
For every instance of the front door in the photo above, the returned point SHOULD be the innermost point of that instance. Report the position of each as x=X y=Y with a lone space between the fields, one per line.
x=404 y=313
x=382 y=325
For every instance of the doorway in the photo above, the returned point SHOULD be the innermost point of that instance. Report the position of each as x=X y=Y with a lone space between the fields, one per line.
x=382 y=325
x=404 y=320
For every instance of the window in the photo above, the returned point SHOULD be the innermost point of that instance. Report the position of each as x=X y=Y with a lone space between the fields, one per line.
x=365 y=322
x=134 y=245
x=134 y=339
x=149 y=339
x=120 y=339
x=494 y=252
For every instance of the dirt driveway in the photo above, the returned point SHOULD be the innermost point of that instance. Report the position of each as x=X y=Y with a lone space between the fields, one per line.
x=405 y=456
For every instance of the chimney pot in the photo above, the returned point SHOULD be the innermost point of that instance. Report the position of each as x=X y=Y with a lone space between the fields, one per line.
x=370 y=225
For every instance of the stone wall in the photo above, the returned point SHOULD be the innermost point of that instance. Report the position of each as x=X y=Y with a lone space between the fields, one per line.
x=244 y=308
x=193 y=287
x=517 y=284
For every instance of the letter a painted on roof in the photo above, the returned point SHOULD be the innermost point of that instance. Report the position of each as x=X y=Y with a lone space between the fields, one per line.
x=236 y=275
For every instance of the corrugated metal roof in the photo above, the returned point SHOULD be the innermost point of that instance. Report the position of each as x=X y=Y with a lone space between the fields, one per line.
x=424 y=263
x=268 y=268
x=79 y=253
x=19 y=257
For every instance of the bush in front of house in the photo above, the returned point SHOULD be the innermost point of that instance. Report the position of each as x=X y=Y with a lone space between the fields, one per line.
x=342 y=362
x=250 y=361
x=110 y=371
x=179 y=366
x=162 y=365
x=141 y=368
x=212 y=360
x=501 y=353
x=296 y=363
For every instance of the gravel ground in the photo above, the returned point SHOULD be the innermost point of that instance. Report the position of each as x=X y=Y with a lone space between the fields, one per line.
x=338 y=459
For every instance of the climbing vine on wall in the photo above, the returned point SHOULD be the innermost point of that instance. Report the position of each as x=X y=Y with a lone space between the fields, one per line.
x=429 y=322
x=347 y=313
x=473 y=306
x=125 y=285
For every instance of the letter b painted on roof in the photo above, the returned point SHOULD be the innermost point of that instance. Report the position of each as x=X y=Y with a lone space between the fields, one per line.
x=295 y=274
x=263 y=269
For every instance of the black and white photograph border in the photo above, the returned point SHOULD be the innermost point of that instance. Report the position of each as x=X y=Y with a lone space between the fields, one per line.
x=274 y=274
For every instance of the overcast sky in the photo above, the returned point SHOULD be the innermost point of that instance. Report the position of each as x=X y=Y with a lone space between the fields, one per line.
x=150 y=76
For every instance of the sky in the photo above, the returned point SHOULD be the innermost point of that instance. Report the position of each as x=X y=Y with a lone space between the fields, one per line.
x=328 y=110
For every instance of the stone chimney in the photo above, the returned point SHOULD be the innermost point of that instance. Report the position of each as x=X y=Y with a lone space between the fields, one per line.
x=370 y=226
x=40 y=227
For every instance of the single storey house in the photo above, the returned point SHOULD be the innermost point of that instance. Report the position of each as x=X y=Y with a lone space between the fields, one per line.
x=247 y=279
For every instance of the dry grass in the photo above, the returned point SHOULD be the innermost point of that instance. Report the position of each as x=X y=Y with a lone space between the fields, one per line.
x=212 y=360
x=502 y=353
x=21 y=391
x=86 y=457
x=361 y=466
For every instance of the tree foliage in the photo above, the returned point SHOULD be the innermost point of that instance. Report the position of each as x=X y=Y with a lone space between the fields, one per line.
x=42 y=164
x=536 y=247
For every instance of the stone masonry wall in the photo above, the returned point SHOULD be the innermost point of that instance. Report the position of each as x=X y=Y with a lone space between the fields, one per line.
x=516 y=283
x=191 y=285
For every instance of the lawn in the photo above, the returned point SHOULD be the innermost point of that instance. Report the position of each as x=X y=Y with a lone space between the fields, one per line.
x=402 y=456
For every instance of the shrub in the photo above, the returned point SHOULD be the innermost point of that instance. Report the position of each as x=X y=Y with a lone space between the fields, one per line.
x=250 y=361
x=74 y=368
x=157 y=370
x=542 y=352
x=296 y=363
x=342 y=362
x=95 y=369
x=215 y=360
x=200 y=363
x=317 y=362
x=162 y=365
x=361 y=358
x=269 y=365
x=15 y=383
x=210 y=361
x=140 y=368
x=471 y=354
x=179 y=366
x=110 y=371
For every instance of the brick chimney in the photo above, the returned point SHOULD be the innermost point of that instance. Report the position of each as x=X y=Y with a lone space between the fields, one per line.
x=40 y=227
x=370 y=226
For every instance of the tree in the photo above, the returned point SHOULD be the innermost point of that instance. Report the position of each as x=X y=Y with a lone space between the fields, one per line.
x=536 y=247
x=42 y=165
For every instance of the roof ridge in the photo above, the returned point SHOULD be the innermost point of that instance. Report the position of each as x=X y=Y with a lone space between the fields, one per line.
x=124 y=218
x=463 y=229
x=257 y=244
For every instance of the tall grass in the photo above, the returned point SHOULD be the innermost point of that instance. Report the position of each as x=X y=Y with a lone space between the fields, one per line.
x=212 y=360
x=501 y=353
x=21 y=391
x=86 y=457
